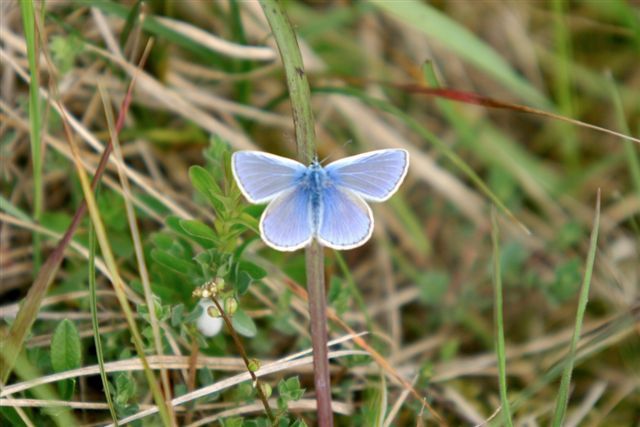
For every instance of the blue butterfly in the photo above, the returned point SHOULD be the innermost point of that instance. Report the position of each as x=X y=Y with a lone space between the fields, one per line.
x=326 y=203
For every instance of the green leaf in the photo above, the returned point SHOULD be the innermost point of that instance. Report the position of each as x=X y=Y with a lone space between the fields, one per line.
x=177 y=315
x=66 y=351
x=204 y=183
x=199 y=229
x=256 y=272
x=172 y=262
x=233 y=422
x=243 y=324
x=289 y=390
x=242 y=282
x=125 y=388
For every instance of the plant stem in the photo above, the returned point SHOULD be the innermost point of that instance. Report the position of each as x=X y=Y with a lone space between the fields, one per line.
x=245 y=358
x=305 y=139
x=318 y=315
x=27 y=10
x=498 y=320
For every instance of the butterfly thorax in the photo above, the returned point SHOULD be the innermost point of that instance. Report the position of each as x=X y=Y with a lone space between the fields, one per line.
x=315 y=181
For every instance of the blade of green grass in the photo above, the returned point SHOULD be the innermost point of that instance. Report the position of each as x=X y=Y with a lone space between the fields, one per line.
x=11 y=209
x=565 y=382
x=451 y=34
x=94 y=323
x=499 y=322
x=35 y=120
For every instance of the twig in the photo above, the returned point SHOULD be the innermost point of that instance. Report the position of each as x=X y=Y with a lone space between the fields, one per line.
x=245 y=359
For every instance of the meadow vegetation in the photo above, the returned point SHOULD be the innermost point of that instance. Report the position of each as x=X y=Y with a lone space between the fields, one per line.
x=502 y=282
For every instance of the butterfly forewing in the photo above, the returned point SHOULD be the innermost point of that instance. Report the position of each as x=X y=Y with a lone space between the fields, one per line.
x=375 y=175
x=262 y=176
x=345 y=219
x=286 y=223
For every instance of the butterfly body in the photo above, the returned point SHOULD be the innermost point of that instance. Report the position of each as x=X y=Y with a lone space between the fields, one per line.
x=325 y=203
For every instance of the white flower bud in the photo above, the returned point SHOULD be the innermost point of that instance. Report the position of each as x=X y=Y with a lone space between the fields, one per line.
x=209 y=326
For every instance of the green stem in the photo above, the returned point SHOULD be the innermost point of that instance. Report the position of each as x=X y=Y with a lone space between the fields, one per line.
x=499 y=321
x=565 y=382
x=35 y=120
x=245 y=359
x=300 y=96
x=94 y=323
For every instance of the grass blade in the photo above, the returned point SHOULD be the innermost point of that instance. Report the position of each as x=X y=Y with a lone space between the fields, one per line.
x=94 y=323
x=499 y=322
x=565 y=382
x=35 y=119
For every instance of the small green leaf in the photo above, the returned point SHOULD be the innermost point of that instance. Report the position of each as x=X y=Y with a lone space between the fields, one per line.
x=204 y=183
x=256 y=272
x=199 y=229
x=125 y=388
x=66 y=352
x=177 y=315
x=288 y=391
x=172 y=262
x=233 y=422
x=243 y=324
x=242 y=282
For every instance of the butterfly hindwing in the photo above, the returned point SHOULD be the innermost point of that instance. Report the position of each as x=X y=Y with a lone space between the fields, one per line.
x=375 y=175
x=345 y=219
x=263 y=176
x=286 y=223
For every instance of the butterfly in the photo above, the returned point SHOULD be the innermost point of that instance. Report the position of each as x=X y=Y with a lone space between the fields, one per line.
x=325 y=203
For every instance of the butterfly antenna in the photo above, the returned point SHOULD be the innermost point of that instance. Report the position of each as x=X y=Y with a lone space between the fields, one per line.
x=333 y=152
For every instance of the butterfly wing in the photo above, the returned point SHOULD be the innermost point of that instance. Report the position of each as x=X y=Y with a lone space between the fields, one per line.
x=346 y=221
x=263 y=176
x=374 y=176
x=286 y=224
